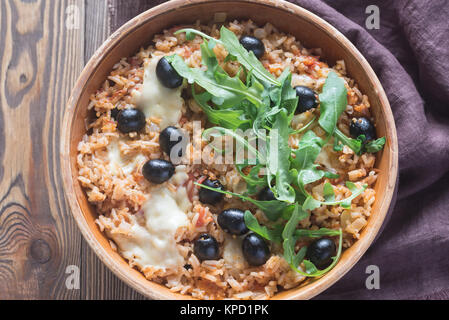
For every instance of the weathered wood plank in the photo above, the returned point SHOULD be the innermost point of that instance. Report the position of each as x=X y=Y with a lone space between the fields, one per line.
x=41 y=59
x=97 y=281
x=121 y=11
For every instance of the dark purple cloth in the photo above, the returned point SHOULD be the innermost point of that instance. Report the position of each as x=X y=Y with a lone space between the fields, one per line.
x=410 y=55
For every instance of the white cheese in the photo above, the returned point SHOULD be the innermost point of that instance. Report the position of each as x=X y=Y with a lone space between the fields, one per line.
x=154 y=244
x=232 y=252
x=117 y=162
x=180 y=176
x=155 y=100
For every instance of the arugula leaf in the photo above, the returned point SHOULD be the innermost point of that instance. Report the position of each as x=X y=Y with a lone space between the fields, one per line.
x=331 y=175
x=358 y=145
x=226 y=91
x=312 y=270
x=272 y=209
x=229 y=118
x=288 y=234
x=316 y=233
x=354 y=144
x=245 y=57
x=375 y=145
x=278 y=164
x=308 y=149
x=252 y=224
x=299 y=257
x=333 y=101
x=190 y=34
x=231 y=43
x=328 y=192
x=311 y=203
x=253 y=182
x=337 y=145
x=284 y=96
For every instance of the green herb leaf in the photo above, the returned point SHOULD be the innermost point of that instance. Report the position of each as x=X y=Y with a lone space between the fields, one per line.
x=284 y=96
x=333 y=101
x=354 y=144
x=245 y=57
x=252 y=224
x=190 y=34
x=253 y=182
x=331 y=175
x=328 y=192
x=278 y=159
x=229 y=118
x=226 y=91
x=308 y=149
x=311 y=270
x=288 y=234
x=375 y=145
x=323 y=232
x=299 y=257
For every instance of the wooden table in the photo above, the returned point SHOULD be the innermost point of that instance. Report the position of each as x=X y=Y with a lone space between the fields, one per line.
x=44 y=46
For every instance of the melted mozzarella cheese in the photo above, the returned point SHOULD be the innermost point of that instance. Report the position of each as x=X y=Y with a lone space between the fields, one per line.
x=117 y=162
x=154 y=244
x=232 y=252
x=155 y=100
x=180 y=176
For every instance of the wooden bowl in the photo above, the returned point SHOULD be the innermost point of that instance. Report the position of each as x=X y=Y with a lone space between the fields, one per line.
x=312 y=31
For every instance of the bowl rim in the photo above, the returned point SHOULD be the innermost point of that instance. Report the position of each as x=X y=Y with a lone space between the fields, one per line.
x=151 y=289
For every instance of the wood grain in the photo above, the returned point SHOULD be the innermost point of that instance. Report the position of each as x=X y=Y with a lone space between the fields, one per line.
x=97 y=281
x=122 y=11
x=40 y=62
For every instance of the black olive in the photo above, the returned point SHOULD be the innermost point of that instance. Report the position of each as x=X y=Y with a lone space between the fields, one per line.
x=232 y=221
x=169 y=138
x=253 y=44
x=266 y=194
x=167 y=75
x=114 y=113
x=210 y=196
x=255 y=249
x=320 y=252
x=307 y=99
x=362 y=126
x=206 y=248
x=130 y=120
x=158 y=171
